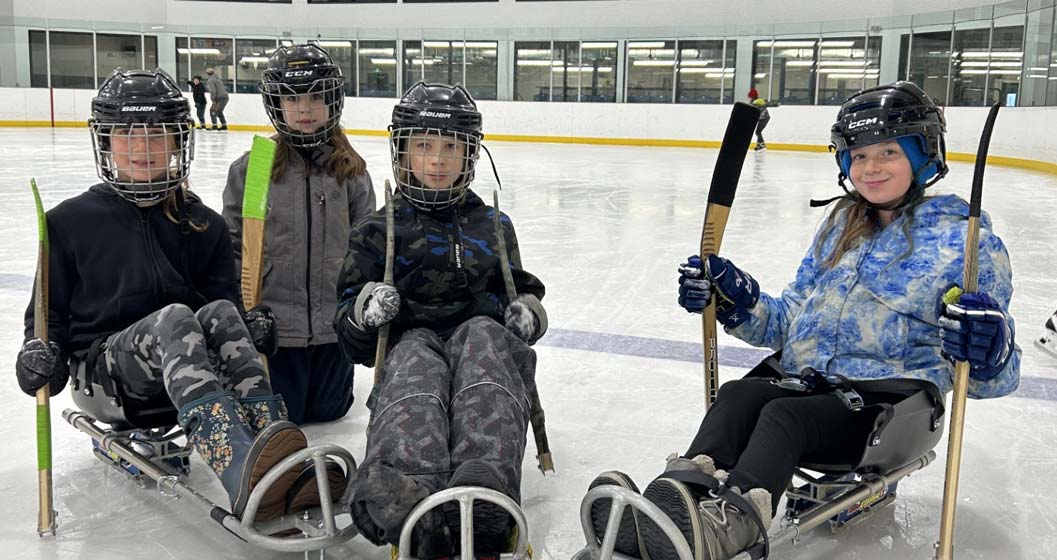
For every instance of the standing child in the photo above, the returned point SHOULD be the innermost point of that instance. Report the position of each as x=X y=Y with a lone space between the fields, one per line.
x=140 y=294
x=218 y=93
x=198 y=92
x=454 y=405
x=866 y=304
x=765 y=117
x=320 y=188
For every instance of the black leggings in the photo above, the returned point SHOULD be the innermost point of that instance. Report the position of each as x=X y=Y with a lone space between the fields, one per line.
x=760 y=432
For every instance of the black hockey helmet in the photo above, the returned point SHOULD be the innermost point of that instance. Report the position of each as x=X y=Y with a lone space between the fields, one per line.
x=147 y=104
x=898 y=111
x=300 y=73
x=444 y=111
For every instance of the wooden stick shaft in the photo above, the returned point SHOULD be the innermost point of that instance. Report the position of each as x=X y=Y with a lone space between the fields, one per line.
x=390 y=253
x=959 y=397
x=253 y=266
x=536 y=417
x=711 y=238
x=46 y=510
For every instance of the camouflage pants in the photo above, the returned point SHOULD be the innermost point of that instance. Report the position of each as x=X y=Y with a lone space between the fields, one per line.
x=441 y=404
x=187 y=354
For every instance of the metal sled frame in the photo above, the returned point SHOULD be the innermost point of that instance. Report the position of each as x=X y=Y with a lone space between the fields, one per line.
x=792 y=527
x=466 y=496
x=318 y=526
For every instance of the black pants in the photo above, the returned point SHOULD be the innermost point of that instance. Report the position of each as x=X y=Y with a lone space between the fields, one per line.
x=315 y=382
x=760 y=432
x=201 y=114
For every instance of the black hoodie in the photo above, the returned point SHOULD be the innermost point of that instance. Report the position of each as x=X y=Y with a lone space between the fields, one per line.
x=112 y=263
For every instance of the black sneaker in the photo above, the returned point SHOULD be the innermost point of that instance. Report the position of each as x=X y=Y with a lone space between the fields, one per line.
x=491 y=523
x=629 y=542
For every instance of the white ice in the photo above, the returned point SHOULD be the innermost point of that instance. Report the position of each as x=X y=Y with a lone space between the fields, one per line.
x=605 y=228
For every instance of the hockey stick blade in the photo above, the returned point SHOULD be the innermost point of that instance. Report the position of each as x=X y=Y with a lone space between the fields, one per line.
x=976 y=197
x=736 y=141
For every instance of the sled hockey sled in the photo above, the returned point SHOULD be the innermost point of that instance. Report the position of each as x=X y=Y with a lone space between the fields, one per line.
x=901 y=443
x=141 y=439
x=466 y=496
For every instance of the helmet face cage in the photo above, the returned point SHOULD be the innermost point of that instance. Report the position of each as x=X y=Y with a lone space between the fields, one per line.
x=450 y=155
x=320 y=100
x=143 y=162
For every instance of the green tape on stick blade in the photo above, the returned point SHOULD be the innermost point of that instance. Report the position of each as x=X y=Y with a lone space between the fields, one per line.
x=258 y=178
x=43 y=437
x=42 y=223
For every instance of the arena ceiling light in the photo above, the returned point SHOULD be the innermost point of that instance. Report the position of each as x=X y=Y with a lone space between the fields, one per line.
x=838 y=44
x=694 y=62
x=253 y=59
x=648 y=62
x=534 y=52
x=800 y=63
x=601 y=69
x=849 y=63
x=598 y=45
x=335 y=44
x=993 y=54
x=646 y=44
x=182 y=50
x=375 y=50
x=383 y=61
x=539 y=63
x=975 y=71
x=787 y=44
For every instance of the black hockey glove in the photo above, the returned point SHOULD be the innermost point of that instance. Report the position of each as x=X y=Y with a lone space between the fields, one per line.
x=260 y=321
x=526 y=318
x=40 y=364
x=736 y=292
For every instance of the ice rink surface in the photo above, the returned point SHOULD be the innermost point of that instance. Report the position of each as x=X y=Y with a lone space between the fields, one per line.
x=620 y=373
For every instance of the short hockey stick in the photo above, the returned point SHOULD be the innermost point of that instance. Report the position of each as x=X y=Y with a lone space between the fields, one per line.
x=970 y=279
x=46 y=516
x=254 y=216
x=390 y=251
x=536 y=416
x=731 y=157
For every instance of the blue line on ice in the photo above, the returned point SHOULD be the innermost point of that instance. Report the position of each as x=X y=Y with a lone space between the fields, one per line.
x=1039 y=388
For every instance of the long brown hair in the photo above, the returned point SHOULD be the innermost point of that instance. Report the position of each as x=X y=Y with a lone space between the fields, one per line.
x=343 y=164
x=176 y=210
x=862 y=221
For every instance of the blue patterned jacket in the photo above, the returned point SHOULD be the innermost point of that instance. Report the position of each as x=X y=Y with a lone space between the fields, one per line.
x=874 y=314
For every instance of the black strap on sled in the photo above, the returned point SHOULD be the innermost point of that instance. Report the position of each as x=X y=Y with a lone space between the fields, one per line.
x=92 y=375
x=850 y=392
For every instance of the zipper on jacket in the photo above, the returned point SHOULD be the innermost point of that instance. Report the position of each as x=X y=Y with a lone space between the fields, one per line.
x=144 y=220
x=308 y=253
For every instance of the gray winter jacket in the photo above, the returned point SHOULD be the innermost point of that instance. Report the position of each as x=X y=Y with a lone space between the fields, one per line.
x=305 y=241
x=216 y=87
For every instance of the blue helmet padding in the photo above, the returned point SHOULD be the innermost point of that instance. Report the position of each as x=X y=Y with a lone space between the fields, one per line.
x=913 y=146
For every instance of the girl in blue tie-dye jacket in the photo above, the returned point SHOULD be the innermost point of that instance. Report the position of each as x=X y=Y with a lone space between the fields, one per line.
x=866 y=304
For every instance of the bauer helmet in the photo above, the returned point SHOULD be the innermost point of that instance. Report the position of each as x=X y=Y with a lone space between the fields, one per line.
x=148 y=110
x=898 y=111
x=299 y=74
x=446 y=127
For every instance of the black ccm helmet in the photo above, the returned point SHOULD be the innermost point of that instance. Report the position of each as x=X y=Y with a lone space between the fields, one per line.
x=300 y=73
x=441 y=111
x=147 y=108
x=898 y=111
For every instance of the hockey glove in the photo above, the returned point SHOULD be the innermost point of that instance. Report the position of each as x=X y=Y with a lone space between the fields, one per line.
x=695 y=290
x=736 y=292
x=974 y=329
x=526 y=318
x=260 y=321
x=376 y=305
x=40 y=364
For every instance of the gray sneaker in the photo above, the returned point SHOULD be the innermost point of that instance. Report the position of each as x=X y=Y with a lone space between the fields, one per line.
x=714 y=527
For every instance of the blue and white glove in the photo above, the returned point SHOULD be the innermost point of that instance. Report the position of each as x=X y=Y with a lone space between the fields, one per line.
x=736 y=292
x=376 y=305
x=974 y=329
